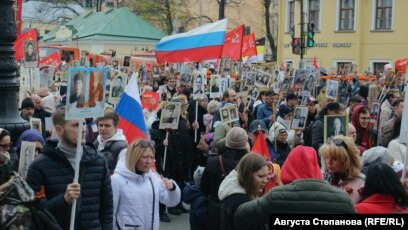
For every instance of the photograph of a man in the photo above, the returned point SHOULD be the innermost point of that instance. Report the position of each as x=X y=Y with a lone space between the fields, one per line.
x=335 y=125
x=118 y=88
x=77 y=98
x=30 y=50
x=215 y=84
x=170 y=116
x=198 y=85
x=126 y=61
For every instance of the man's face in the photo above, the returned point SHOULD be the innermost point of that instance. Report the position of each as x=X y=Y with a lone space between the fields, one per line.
x=311 y=107
x=337 y=124
x=364 y=118
x=30 y=49
x=27 y=112
x=118 y=81
x=78 y=87
x=399 y=109
x=198 y=83
x=352 y=132
x=37 y=102
x=106 y=128
x=171 y=83
x=69 y=132
x=232 y=97
x=395 y=97
x=292 y=102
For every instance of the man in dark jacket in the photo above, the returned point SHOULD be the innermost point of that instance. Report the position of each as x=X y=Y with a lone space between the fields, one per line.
x=51 y=176
x=297 y=195
x=111 y=141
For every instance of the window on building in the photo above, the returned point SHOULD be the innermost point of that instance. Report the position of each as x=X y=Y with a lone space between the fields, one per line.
x=383 y=14
x=341 y=66
x=291 y=19
x=346 y=20
x=314 y=13
x=378 y=67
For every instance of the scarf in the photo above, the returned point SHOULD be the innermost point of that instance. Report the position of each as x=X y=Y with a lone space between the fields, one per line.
x=335 y=178
x=363 y=135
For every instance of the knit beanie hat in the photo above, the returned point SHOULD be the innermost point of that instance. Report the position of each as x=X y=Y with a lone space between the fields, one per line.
x=27 y=103
x=279 y=129
x=30 y=135
x=283 y=110
x=236 y=138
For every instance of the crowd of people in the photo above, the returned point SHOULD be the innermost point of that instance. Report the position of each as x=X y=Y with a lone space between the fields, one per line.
x=136 y=185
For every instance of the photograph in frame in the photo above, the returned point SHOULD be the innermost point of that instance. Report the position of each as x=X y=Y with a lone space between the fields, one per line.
x=233 y=113
x=30 y=54
x=300 y=78
x=334 y=125
x=253 y=92
x=117 y=87
x=250 y=78
x=170 y=116
x=344 y=99
x=309 y=85
x=84 y=99
x=262 y=78
x=215 y=86
x=226 y=65
x=126 y=61
x=374 y=111
x=299 y=118
x=27 y=155
x=35 y=123
x=198 y=87
x=332 y=88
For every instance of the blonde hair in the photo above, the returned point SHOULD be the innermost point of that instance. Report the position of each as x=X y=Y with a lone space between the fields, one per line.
x=135 y=151
x=350 y=157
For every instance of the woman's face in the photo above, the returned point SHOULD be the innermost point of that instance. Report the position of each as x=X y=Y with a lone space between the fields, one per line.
x=334 y=165
x=260 y=178
x=5 y=144
x=145 y=161
x=282 y=137
x=30 y=49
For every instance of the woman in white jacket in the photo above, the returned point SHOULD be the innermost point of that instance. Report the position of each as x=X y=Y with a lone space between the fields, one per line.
x=137 y=190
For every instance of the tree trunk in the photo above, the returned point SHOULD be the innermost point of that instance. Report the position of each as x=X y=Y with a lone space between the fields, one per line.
x=169 y=18
x=267 y=4
x=221 y=11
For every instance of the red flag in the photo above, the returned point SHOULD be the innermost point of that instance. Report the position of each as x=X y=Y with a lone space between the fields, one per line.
x=19 y=43
x=249 y=45
x=19 y=18
x=53 y=59
x=315 y=63
x=148 y=67
x=233 y=43
x=150 y=100
x=260 y=146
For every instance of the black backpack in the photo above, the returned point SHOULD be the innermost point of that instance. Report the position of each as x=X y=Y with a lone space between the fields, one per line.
x=41 y=217
x=307 y=135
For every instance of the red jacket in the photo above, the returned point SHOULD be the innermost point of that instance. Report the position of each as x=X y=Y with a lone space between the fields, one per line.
x=379 y=204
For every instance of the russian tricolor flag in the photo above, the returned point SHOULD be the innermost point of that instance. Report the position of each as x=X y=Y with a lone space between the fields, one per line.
x=202 y=43
x=129 y=109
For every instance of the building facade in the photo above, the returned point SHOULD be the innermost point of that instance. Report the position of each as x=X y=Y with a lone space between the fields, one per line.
x=367 y=33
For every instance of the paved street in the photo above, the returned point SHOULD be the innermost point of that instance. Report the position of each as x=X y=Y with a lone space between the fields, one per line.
x=177 y=222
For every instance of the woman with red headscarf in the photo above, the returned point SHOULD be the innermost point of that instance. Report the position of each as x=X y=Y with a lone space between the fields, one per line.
x=360 y=120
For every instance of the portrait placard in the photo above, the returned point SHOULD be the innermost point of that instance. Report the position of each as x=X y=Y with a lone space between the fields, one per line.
x=85 y=92
x=229 y=114
x=300 y=78
x=215 y=86
x=299 y=118
x=226 y=65
x=27 y=154
x=117 y=87
x=309 y=85
x=334 y=125
x=35 y=123
x=30 y=54
x=198 y=87
x=253 y=92
x=250 y=78
x=332 y=88
x=262 y=78
x=374 y=111
x=344 y=99
x=126 y=61
x=170 y=116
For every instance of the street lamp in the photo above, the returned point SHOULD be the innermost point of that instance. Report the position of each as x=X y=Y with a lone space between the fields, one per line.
x=9 y=87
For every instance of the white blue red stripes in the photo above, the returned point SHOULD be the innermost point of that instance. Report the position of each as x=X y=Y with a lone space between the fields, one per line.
x=129 y=109
x=202 y=43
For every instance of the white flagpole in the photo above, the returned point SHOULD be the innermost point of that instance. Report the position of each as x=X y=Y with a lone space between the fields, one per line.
x=196 y=115
x=165 y=150
x=76 y=175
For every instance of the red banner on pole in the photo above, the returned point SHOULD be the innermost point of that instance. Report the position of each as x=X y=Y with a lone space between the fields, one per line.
x=53 y=59
x=233 y=43
x=150 y=100
x=249 y=45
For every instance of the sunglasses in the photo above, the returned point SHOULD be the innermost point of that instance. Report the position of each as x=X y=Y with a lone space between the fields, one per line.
x=146 y=144
x=339 y=142
x=4 y=146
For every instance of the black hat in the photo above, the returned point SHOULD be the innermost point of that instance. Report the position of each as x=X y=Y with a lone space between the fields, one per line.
x=291 y=96
x=27 y=103
x=333 y=106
